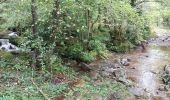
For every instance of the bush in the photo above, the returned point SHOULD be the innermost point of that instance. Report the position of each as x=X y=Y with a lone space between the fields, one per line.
x=74 y=51
x=121 y=47
x=99 y=48
x=88 y=56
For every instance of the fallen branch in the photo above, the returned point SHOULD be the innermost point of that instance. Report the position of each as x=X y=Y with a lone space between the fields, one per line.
x=40 y=90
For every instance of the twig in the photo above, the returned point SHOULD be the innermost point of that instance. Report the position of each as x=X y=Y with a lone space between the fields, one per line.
x=40 y=90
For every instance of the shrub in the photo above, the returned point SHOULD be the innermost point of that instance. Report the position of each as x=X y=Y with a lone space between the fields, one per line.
x=121 y=47
x=88 y=56
x=74 y=51
x=98 y=47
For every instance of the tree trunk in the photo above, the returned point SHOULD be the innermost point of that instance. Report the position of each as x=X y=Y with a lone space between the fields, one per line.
x=34 y=32
x=56 y=16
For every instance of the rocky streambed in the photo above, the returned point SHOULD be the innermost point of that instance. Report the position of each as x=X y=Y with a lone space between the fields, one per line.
x=142 y=71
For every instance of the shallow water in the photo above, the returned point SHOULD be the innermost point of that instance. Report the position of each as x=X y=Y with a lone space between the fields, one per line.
x=149 y=65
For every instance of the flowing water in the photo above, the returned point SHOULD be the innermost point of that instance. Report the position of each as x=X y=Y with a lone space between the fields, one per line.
x=146 y=67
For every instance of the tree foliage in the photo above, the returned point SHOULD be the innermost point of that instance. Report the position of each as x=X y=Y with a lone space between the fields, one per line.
x=68 y=27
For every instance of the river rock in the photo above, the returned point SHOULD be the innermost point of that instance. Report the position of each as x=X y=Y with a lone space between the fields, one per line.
x=105 y=74
x=124 y=62
x=138 y=92
x=13 y=35
x=114 y=96
x=117 y=66
x=162 y=87
x=110 y=70
x=167 y=69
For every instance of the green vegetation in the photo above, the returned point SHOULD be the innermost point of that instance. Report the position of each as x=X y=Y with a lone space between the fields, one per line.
x=54 y=30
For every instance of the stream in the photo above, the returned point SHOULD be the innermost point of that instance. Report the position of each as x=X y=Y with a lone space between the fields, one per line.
x=146 y=67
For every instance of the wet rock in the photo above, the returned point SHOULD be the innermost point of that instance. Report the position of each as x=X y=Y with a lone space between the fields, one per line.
x=125 y=82
x=167 y=69
x=154 y=72
x=117 y=73
x=13 y=35
x=124 y=62
x=105 y=74
x=120 y=73
x=129 y=59
x=146 y=56
x=114 y=96
x=133 y=67
x=110 y=70
x=138 y=92
x=162 y=87
x=117 y=66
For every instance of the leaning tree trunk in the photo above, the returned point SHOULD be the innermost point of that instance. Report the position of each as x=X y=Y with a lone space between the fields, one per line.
x=34 y=32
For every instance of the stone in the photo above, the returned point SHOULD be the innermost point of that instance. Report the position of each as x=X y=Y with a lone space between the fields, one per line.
x=133 y=67
x=167 y=69
x=162 y=87
x=110 y=70
x=124 y=62
x=114 y=96
x=13 y=34
x=105 y=74
x=138 y=92
x=117 y=66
